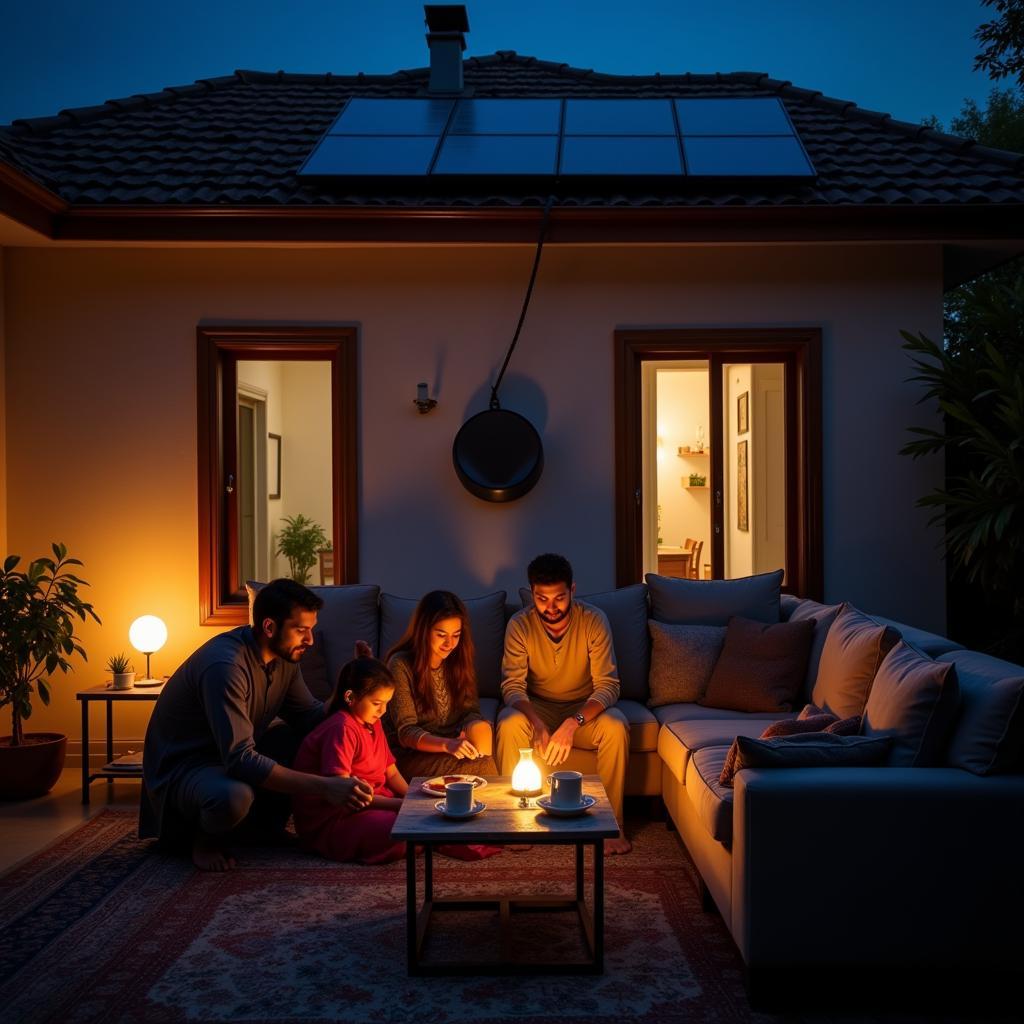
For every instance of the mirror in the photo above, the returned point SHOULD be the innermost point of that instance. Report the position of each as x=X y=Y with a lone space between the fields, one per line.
x=277 y=461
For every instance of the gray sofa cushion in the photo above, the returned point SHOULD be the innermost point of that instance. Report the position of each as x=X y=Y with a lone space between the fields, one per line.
x=854 y=648
x=807 y=750
x=931 y=644
x=486 y=621
x=350 y=613
x=626 y=609
x=796 y=609
x=989 y=731
x=714 y=602
x=698 y=713
x=914 y=701
x=643 y=726
x=696 y=735
x=682 y=660
x=711 y=800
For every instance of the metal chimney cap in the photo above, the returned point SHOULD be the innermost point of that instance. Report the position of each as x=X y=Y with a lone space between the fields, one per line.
x=446 y=17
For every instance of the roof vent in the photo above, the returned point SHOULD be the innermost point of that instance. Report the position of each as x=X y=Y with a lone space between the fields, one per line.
x=446 y=25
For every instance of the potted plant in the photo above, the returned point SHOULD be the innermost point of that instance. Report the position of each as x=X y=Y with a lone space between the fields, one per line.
x=300 y=541
x=121 y=669
x=38 y=611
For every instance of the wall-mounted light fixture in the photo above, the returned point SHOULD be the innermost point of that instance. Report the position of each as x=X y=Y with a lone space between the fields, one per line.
x=421 y=401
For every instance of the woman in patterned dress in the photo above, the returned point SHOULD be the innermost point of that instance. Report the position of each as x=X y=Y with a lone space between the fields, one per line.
x=434 y=723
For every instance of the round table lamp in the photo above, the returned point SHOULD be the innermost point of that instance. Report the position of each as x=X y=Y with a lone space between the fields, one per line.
x=147 y=634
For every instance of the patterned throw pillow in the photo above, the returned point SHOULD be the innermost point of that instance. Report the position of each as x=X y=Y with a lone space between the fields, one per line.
x=682 y=660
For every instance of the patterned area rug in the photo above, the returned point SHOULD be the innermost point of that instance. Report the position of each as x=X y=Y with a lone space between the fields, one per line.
x=102 y=927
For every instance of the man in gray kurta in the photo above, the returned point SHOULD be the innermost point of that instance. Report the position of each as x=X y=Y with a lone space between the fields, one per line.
x=209 y=744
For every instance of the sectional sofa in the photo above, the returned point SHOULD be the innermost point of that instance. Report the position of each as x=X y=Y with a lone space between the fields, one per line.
x=811 y=868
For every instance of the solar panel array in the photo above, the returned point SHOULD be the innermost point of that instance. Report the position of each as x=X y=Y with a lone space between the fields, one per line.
x=457 y=138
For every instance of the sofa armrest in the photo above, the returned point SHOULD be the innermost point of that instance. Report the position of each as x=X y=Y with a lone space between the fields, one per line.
x=877 y=866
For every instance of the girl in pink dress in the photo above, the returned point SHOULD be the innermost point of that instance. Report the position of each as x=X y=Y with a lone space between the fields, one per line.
x=351 y=742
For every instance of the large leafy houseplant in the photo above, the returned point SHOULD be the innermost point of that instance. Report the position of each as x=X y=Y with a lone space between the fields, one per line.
x=300 y=542
x=977 y=381
x=39 y=610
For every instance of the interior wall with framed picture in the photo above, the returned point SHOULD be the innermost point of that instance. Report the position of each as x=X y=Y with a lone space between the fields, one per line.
x=743 y=413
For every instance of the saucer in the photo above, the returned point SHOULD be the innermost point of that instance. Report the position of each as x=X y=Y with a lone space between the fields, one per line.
x=471 y=813
x=545 y=804
x=435 y=786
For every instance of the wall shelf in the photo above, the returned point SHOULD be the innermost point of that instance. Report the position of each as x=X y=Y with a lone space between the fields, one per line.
x=692 y=455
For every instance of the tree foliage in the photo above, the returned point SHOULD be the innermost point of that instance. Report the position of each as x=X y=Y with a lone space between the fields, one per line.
x=1002 y=41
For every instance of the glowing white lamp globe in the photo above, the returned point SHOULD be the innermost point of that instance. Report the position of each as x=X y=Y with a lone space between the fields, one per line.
x=526 y=780
x=147 y=634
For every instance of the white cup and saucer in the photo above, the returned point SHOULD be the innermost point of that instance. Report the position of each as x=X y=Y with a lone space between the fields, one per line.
x=458 y=801
x=567 y=797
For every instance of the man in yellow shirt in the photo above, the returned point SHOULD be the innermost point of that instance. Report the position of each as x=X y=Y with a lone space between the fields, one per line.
x=560 y=684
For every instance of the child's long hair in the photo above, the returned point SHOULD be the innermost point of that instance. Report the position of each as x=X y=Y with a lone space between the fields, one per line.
x=459 y=673
x=361 y=676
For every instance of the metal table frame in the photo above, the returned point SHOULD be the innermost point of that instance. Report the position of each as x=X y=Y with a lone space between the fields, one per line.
x=418 y=916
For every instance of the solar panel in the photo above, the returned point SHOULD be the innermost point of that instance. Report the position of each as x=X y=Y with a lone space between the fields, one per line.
x=498 y=154
x=392 y=117
x=509 y=117
x=733 y=117
x=569 y=138
x=745 y=156
x=403 y=156
x=619 y=117
x=620 y=154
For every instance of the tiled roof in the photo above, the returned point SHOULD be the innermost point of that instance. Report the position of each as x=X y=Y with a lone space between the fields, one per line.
x=239 y=141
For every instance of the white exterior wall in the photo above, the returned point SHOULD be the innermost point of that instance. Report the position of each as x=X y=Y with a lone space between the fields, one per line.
x=121 y=322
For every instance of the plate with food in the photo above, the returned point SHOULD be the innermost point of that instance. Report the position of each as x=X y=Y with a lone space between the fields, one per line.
x=435 y=786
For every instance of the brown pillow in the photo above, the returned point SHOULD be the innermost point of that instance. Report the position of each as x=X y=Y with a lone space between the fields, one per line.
x=854 y=648
x=810 y=750
x=846 y=726
x=761 y=667
x=793 y=726
x=682 y=660
x=914 y=701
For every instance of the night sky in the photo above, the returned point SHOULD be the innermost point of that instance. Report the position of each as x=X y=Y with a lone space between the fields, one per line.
x=910 y=58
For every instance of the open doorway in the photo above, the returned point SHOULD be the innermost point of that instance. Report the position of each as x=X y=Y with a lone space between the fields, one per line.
x=718 y=467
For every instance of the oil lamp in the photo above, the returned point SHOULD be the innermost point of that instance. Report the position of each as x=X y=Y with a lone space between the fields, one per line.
x=526 y=779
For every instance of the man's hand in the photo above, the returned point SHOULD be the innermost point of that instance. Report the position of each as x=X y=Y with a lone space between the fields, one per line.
x=348 y=792
x=460 y=747
x=560 y=743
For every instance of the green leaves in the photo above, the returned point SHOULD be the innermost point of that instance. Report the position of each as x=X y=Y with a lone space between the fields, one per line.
x=300 y=542
x=38 y=610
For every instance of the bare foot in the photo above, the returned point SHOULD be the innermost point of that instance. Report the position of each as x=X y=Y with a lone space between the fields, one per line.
x=620 y=844
x=209 y=855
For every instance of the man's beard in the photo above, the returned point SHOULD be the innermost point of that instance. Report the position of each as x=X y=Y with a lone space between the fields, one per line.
x=555 y=617
x=291 y=654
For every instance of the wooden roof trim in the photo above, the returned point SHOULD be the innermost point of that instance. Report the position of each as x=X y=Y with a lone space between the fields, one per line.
x=26 y=201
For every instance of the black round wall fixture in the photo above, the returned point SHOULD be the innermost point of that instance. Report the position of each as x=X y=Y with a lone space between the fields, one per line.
x=498 y=455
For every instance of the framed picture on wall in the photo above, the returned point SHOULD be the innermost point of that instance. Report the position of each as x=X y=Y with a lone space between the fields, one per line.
x=743 y=413
x=742 y=507
x=274 y=465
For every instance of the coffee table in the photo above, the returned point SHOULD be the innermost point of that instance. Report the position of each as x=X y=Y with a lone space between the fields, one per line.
x=504 y=823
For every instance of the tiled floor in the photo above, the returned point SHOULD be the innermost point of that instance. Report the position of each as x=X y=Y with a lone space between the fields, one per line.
x=29 y=825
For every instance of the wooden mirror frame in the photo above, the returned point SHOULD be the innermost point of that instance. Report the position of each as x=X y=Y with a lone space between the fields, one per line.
x=218 y=350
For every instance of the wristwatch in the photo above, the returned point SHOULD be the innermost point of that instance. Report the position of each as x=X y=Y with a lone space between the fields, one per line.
x=580 y=720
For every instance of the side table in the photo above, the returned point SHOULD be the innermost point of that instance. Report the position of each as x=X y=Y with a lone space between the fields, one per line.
x=108 y=696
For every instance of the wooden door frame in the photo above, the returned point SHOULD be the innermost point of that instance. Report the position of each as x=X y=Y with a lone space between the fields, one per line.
x=218 y=351
x=800 y=349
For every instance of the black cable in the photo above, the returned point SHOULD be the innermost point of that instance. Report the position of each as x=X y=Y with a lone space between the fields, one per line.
x=495 y=404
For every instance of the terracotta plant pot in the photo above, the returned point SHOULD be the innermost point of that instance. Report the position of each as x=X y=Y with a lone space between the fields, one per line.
x=32 y=768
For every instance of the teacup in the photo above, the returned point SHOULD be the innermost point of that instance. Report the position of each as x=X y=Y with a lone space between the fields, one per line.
x=458 y=797
x=566 y=788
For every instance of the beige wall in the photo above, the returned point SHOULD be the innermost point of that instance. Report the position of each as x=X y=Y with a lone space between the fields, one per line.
x=111 y=467
x=4 y=550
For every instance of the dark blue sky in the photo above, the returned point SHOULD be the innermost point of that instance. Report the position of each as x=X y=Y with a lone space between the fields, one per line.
x=910 y=58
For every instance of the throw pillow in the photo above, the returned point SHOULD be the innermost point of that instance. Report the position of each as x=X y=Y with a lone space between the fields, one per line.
x=796 y=610
x=854 y=648
x=761 y=667
x=350 y=613
x=809 y=750
x=682 y=660
x=794 y=726
x=486 y=623
x=989 y=734
x=714 y=602
x=914 y=701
